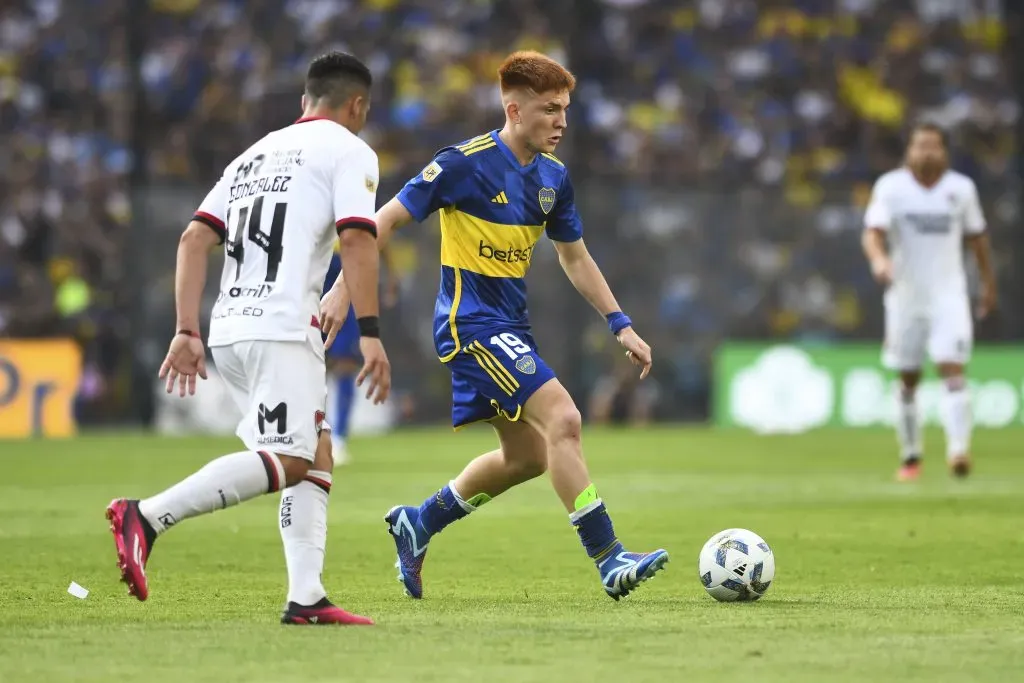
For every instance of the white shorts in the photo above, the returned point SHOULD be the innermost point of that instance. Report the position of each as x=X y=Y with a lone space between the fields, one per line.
x=944 y=333
x=280 y=388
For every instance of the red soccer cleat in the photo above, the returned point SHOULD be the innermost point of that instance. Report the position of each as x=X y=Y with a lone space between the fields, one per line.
x=909 y=471
x=322 y=613
x=132 y=546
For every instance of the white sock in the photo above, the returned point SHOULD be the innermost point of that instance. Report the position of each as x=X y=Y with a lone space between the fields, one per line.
x=577 y=515
x=303 y=521
x=463 y=503
x=908 y=426
x=955 y=409
x=223 y=482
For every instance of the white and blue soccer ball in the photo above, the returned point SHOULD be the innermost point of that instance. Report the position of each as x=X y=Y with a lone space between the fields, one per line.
x=736 y=565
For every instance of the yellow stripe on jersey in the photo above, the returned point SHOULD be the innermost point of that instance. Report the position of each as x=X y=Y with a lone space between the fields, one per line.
x=553 y=158
x=486 y=248
x=475 y=141
x=492 y=367
x=456 y=298
x=501 y=369
x=481 y=141
x=479 y=148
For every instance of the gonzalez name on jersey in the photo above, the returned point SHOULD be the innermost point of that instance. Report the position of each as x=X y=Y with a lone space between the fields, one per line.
x=277 y=207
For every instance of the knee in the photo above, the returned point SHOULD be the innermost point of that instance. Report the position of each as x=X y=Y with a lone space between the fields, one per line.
x=908 y=383
x=295 y=468
x=565 y=423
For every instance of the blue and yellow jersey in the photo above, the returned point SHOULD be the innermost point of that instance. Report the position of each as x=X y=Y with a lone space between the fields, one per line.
x=493 y=210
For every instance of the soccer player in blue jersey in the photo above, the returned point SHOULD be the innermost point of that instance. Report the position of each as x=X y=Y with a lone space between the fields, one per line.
x=344 y=361
x=496 y=194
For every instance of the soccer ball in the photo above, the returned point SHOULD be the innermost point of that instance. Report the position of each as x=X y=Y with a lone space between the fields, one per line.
x=736 y=564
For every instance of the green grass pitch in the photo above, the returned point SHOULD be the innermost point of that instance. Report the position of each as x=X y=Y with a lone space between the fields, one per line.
x=877 y=581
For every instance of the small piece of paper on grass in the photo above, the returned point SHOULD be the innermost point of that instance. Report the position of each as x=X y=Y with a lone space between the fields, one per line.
x=78 y=591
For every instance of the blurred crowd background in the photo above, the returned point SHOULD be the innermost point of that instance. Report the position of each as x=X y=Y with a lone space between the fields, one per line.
x=722 y=151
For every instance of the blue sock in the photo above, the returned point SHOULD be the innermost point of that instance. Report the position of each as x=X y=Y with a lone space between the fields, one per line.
x=594 y=527
x=440 y=510
x=346 y=392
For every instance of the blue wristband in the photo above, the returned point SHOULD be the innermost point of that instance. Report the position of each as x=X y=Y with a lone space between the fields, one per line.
x=618 y=321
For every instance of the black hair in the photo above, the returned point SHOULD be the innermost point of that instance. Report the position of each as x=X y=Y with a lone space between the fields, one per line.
x=930 y=127
x=337 y=76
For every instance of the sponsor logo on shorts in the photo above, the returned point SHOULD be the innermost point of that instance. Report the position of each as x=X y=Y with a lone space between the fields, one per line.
x=278 y=416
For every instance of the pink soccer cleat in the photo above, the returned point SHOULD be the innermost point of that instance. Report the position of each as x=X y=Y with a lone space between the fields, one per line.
x=909 y=471
x=322 y=613
x=132 y=546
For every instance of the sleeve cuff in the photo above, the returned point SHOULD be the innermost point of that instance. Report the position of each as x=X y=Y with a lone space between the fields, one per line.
x=212 y=222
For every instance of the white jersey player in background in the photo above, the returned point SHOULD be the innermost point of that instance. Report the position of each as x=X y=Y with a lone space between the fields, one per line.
x=277 y=208
x=925 y=212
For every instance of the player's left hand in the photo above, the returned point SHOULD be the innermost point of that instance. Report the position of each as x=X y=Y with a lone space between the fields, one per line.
x=988 y=301
x=334 y=307
x=186 y=359
x=637 y=350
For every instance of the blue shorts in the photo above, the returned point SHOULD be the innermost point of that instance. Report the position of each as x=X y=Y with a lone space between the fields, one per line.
x=494 y=374
x=346 y=344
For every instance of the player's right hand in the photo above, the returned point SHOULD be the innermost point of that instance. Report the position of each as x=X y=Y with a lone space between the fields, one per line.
x=988 y=301
x=881 y=269
x=186 y=358
x=333 y=310
x=376 y=369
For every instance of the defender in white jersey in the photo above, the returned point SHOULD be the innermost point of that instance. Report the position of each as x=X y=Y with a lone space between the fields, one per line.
x=925 y=212
x=277 y=209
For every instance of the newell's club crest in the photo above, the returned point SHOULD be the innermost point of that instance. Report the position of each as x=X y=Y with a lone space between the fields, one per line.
x=318 y=420
x=547 y=199
x=526 y=364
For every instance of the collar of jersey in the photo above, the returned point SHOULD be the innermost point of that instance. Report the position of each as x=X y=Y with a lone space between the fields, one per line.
x=305 y=119
x=510 y=155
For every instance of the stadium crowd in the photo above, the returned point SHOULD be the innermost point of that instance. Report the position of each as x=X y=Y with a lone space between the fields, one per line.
x=722 y=150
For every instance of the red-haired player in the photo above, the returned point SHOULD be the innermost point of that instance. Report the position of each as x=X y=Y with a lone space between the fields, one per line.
x=496 y=194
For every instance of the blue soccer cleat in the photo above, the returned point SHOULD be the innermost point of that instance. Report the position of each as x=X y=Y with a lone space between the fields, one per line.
x=622 y=572
x=412 y=548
